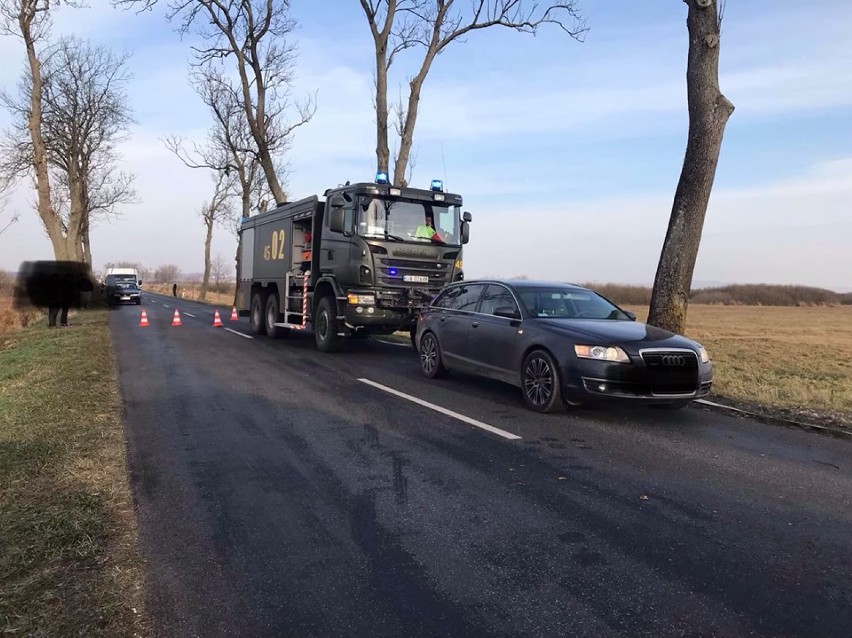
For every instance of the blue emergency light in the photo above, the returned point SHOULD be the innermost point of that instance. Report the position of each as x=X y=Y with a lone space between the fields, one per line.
x=381 y=177
x=392 y=272
x=437 y=185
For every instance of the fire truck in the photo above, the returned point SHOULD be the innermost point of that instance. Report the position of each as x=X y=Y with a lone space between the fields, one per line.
x=361 y=260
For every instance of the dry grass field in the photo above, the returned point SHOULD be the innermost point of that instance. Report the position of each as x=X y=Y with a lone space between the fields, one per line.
x=224 y=297
x=780 y=356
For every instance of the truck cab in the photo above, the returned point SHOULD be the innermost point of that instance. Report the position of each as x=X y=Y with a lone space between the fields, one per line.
x=363 y=260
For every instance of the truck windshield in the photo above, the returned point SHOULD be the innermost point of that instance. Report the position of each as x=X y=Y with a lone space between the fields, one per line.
x=424 y=222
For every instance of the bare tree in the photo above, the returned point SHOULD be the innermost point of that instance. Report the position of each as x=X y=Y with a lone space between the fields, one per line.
x=167 y=274
x=431 y=25
x=229 y=145
x=219 y=271
x=84 y=115
x=30 y=21
x=255 y=35
x=216 y=211
x=709 y=111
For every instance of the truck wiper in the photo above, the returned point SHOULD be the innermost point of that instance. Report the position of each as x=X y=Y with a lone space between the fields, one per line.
x=394 y=237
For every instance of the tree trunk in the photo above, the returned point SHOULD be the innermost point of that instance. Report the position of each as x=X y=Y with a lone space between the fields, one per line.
x=382 y=151
x=205 y=281
x=407 y=138
x=269 y=171
x=52 y=223
x=709 y=111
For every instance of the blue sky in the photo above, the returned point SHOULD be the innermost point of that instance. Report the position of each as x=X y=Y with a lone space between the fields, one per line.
x=567 y=154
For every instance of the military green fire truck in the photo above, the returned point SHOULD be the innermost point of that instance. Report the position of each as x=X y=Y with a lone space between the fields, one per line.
x=361 y=261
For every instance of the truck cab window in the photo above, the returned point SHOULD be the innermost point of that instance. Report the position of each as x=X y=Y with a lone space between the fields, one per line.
x=410 y=221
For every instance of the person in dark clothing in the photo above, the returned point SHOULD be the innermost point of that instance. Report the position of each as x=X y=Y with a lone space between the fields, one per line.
x=67 y=298
x=54 y=294
x=174 y=290
x=86 y=287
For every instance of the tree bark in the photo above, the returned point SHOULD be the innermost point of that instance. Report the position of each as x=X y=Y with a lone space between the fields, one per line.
x=52 y=222
x=382 y=150
x=205 y=281
x=709 y=111
x=407 y=138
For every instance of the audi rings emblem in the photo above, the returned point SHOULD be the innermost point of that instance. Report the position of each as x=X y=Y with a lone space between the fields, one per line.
x=673 y=360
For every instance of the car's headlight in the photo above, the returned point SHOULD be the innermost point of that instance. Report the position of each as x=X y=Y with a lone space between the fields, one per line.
x=702 y=352
x=602 y=353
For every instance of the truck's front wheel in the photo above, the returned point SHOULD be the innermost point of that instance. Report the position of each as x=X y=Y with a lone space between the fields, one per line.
x=256 y=314
x=325 y=326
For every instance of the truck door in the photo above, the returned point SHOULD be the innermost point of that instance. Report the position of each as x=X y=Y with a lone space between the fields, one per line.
x=334 y=255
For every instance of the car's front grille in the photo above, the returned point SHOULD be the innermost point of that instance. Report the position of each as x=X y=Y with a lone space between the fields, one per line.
x=391 y=272
x=672 y=372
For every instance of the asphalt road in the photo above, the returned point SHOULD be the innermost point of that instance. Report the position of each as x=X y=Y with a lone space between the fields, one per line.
x=279 y=494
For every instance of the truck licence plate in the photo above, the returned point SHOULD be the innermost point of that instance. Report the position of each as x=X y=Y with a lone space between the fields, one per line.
x=417 y=279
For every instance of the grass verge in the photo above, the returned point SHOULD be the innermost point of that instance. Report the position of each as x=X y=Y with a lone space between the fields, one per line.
x=69 y=563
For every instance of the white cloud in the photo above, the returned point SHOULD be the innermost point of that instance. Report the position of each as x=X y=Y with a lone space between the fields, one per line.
x=796 y=231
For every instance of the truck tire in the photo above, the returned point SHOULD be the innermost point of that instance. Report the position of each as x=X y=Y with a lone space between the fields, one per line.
x=325 y=326
x=256 y=313
x=271 y=318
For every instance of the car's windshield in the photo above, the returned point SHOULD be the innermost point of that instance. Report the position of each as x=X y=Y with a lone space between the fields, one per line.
x=424 y=222
x=568 y=303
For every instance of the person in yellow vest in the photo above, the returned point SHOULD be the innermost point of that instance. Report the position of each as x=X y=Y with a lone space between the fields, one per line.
x=427 y=231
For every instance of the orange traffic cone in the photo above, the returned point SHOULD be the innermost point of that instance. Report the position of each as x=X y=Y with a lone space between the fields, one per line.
x=234 y=315
x=143 y=321
x=176 y=318
x=217 y=320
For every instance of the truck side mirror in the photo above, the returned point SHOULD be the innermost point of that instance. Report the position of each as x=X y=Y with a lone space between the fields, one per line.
x=336 y=220
x=465 y=232
x=337 y=201
x=466 y=216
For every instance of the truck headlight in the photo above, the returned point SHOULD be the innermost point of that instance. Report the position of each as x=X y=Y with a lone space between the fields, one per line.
x=361 y=300
x=602 y=353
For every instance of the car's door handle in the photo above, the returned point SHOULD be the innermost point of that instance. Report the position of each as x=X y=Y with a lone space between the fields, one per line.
x=475 y=324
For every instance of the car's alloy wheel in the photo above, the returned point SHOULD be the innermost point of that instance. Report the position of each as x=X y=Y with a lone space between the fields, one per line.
x=430 y=357
x=540 y=382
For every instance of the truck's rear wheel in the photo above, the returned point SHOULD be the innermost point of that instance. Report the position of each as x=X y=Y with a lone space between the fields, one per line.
x=256 y=313
x=325 y=326
x=273 y=331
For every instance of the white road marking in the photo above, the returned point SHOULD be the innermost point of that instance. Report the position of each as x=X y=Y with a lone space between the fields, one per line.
x=239 y=333
x=437 y=408
x=165 y=305
x=189 y=315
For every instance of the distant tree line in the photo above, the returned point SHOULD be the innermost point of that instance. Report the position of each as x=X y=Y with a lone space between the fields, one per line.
x=733 y=295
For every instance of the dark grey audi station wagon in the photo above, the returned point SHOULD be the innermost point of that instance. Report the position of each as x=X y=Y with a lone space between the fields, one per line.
x=560 y=343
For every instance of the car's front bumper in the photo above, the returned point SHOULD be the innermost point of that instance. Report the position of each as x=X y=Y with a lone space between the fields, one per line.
x=587 y=380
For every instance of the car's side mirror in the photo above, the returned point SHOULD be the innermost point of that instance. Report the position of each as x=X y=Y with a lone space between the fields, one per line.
x=337 y=220
x=465 y=232
x=466 y=217
x=506 y=311
x=630 y=314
